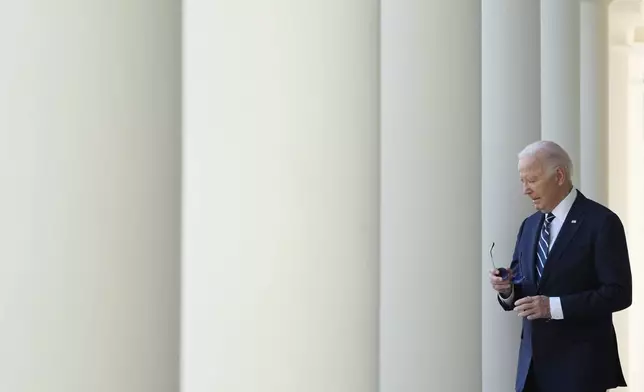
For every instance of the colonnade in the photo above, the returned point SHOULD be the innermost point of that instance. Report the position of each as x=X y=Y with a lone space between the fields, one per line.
x=294 y=196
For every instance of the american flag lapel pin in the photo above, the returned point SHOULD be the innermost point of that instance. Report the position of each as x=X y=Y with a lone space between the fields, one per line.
x=573 y=221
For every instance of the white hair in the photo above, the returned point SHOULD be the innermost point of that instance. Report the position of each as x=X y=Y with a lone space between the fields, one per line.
x=551 y=154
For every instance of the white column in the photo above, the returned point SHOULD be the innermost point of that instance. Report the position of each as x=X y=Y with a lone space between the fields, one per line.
x=280 y=278
x=431 y=196
x=511 y=120
x=560 y=77
x=618 y=169
x=635 y=220
x=90 y=136
x=594 y=100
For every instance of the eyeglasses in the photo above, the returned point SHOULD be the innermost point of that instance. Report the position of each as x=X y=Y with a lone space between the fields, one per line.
x=507 y=273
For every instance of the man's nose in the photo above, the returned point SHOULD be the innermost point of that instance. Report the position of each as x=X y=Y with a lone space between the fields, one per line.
x=526 y=190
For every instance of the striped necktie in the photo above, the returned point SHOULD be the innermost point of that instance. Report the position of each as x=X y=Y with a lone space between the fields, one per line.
x=542 y=249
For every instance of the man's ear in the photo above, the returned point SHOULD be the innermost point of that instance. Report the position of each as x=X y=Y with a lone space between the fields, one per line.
x=561 y=176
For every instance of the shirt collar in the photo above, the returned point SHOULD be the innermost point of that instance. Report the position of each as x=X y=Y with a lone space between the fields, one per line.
x=563 y=208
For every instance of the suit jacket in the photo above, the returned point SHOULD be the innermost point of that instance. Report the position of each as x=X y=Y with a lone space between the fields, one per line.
x=588 y=268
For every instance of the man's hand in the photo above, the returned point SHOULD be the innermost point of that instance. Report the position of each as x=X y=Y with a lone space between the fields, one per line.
x=533 y=307
x=504 y=287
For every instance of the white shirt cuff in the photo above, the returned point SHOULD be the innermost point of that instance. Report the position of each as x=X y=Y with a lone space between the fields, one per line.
x=510 y=299
x=555 y=308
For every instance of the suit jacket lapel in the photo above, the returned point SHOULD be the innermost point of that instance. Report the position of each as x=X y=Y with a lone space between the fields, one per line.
x=567 y=232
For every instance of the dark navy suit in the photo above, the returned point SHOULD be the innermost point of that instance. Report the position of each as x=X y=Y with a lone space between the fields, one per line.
x=588 y=268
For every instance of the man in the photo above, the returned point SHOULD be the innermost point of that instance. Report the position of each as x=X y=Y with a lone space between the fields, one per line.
x=573 y=255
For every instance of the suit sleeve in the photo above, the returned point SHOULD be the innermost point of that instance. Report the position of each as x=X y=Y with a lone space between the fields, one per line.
x=613 y=271
x=508 y=304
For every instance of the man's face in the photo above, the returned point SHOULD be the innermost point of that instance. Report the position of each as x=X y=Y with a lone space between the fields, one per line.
x=545 y=189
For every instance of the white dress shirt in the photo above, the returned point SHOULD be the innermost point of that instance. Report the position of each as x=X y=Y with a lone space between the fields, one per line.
x=560 y=212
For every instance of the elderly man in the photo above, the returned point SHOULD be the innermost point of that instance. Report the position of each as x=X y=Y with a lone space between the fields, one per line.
x=570 y=272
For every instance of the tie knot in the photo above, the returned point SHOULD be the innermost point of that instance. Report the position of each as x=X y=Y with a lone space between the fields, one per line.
x=549 y=218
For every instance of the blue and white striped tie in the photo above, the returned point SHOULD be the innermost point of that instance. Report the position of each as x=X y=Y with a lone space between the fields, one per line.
x=542 y=249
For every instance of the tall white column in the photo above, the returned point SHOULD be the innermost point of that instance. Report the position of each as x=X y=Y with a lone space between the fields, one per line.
x=618 y=170
x=430 y=316
x=560 y=89
x=281 y=205
x=635 y=221
x=511 y=120
x=90 y=184
x=594 y=99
